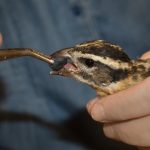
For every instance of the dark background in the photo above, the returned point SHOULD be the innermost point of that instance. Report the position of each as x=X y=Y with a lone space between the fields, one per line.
x=41 y=112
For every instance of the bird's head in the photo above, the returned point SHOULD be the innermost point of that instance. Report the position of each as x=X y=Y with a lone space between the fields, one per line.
x=96 y=63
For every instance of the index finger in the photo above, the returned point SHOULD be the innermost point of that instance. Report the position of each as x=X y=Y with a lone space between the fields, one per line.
x=128 y=104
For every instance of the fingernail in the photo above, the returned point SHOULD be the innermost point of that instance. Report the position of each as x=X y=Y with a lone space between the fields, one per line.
x=97 y=112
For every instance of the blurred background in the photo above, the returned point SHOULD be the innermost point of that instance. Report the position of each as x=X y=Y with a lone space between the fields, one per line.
x=39 y=111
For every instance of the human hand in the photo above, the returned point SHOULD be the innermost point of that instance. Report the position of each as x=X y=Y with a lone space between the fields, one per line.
x=1 y=39
x=126 y=114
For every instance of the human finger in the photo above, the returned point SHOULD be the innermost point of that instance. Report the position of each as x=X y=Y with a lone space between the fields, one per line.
x=146 y=55
x=133 y=132
x=128 y=104
x=1 y=39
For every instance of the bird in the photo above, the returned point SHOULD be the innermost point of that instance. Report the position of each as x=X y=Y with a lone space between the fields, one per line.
x=102 y=65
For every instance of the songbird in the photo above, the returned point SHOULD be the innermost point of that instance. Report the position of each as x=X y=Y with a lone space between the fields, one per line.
x=100 y=64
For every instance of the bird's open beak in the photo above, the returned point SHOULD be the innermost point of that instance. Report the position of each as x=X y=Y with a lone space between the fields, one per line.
x=62 y=64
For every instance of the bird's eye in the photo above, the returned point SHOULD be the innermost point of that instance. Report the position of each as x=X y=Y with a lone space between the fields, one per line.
x=89 y=63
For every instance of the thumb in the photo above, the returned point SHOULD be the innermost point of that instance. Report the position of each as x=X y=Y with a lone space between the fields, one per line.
x=146 y=55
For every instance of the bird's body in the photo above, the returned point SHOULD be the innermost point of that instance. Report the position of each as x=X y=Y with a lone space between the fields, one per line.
x=102 y=65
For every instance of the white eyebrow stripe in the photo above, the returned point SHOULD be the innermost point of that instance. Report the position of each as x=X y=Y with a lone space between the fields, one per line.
x=115 y=64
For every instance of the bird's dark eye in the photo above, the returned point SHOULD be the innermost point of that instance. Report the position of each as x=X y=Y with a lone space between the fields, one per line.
x=89 y=63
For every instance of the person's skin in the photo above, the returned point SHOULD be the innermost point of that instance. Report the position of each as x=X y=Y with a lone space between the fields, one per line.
x=1 y=39
x=126 y=114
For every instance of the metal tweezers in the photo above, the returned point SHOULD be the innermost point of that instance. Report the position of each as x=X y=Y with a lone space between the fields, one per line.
x=20 y=52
